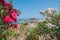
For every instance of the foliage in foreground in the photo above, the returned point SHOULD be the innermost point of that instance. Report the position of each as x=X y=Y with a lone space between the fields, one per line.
x=49 y=29
x=51 y=25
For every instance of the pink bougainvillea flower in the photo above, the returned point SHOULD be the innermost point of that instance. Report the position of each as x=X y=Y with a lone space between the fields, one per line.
x=13 y=14
x=14 y=20
x=7 y=19
x=2 y=2
x=15 y=25
x=16 y=11
x=7 y=6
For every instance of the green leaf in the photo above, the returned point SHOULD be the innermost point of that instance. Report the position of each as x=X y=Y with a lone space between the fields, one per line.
x=1 y=31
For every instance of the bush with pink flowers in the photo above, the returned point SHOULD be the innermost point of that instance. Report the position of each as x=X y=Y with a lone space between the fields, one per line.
x=8 y=15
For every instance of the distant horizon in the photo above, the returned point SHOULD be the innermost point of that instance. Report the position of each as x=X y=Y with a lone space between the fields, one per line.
x=29 y=18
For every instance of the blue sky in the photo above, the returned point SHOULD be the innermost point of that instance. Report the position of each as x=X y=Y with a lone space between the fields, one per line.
x=30 y=8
